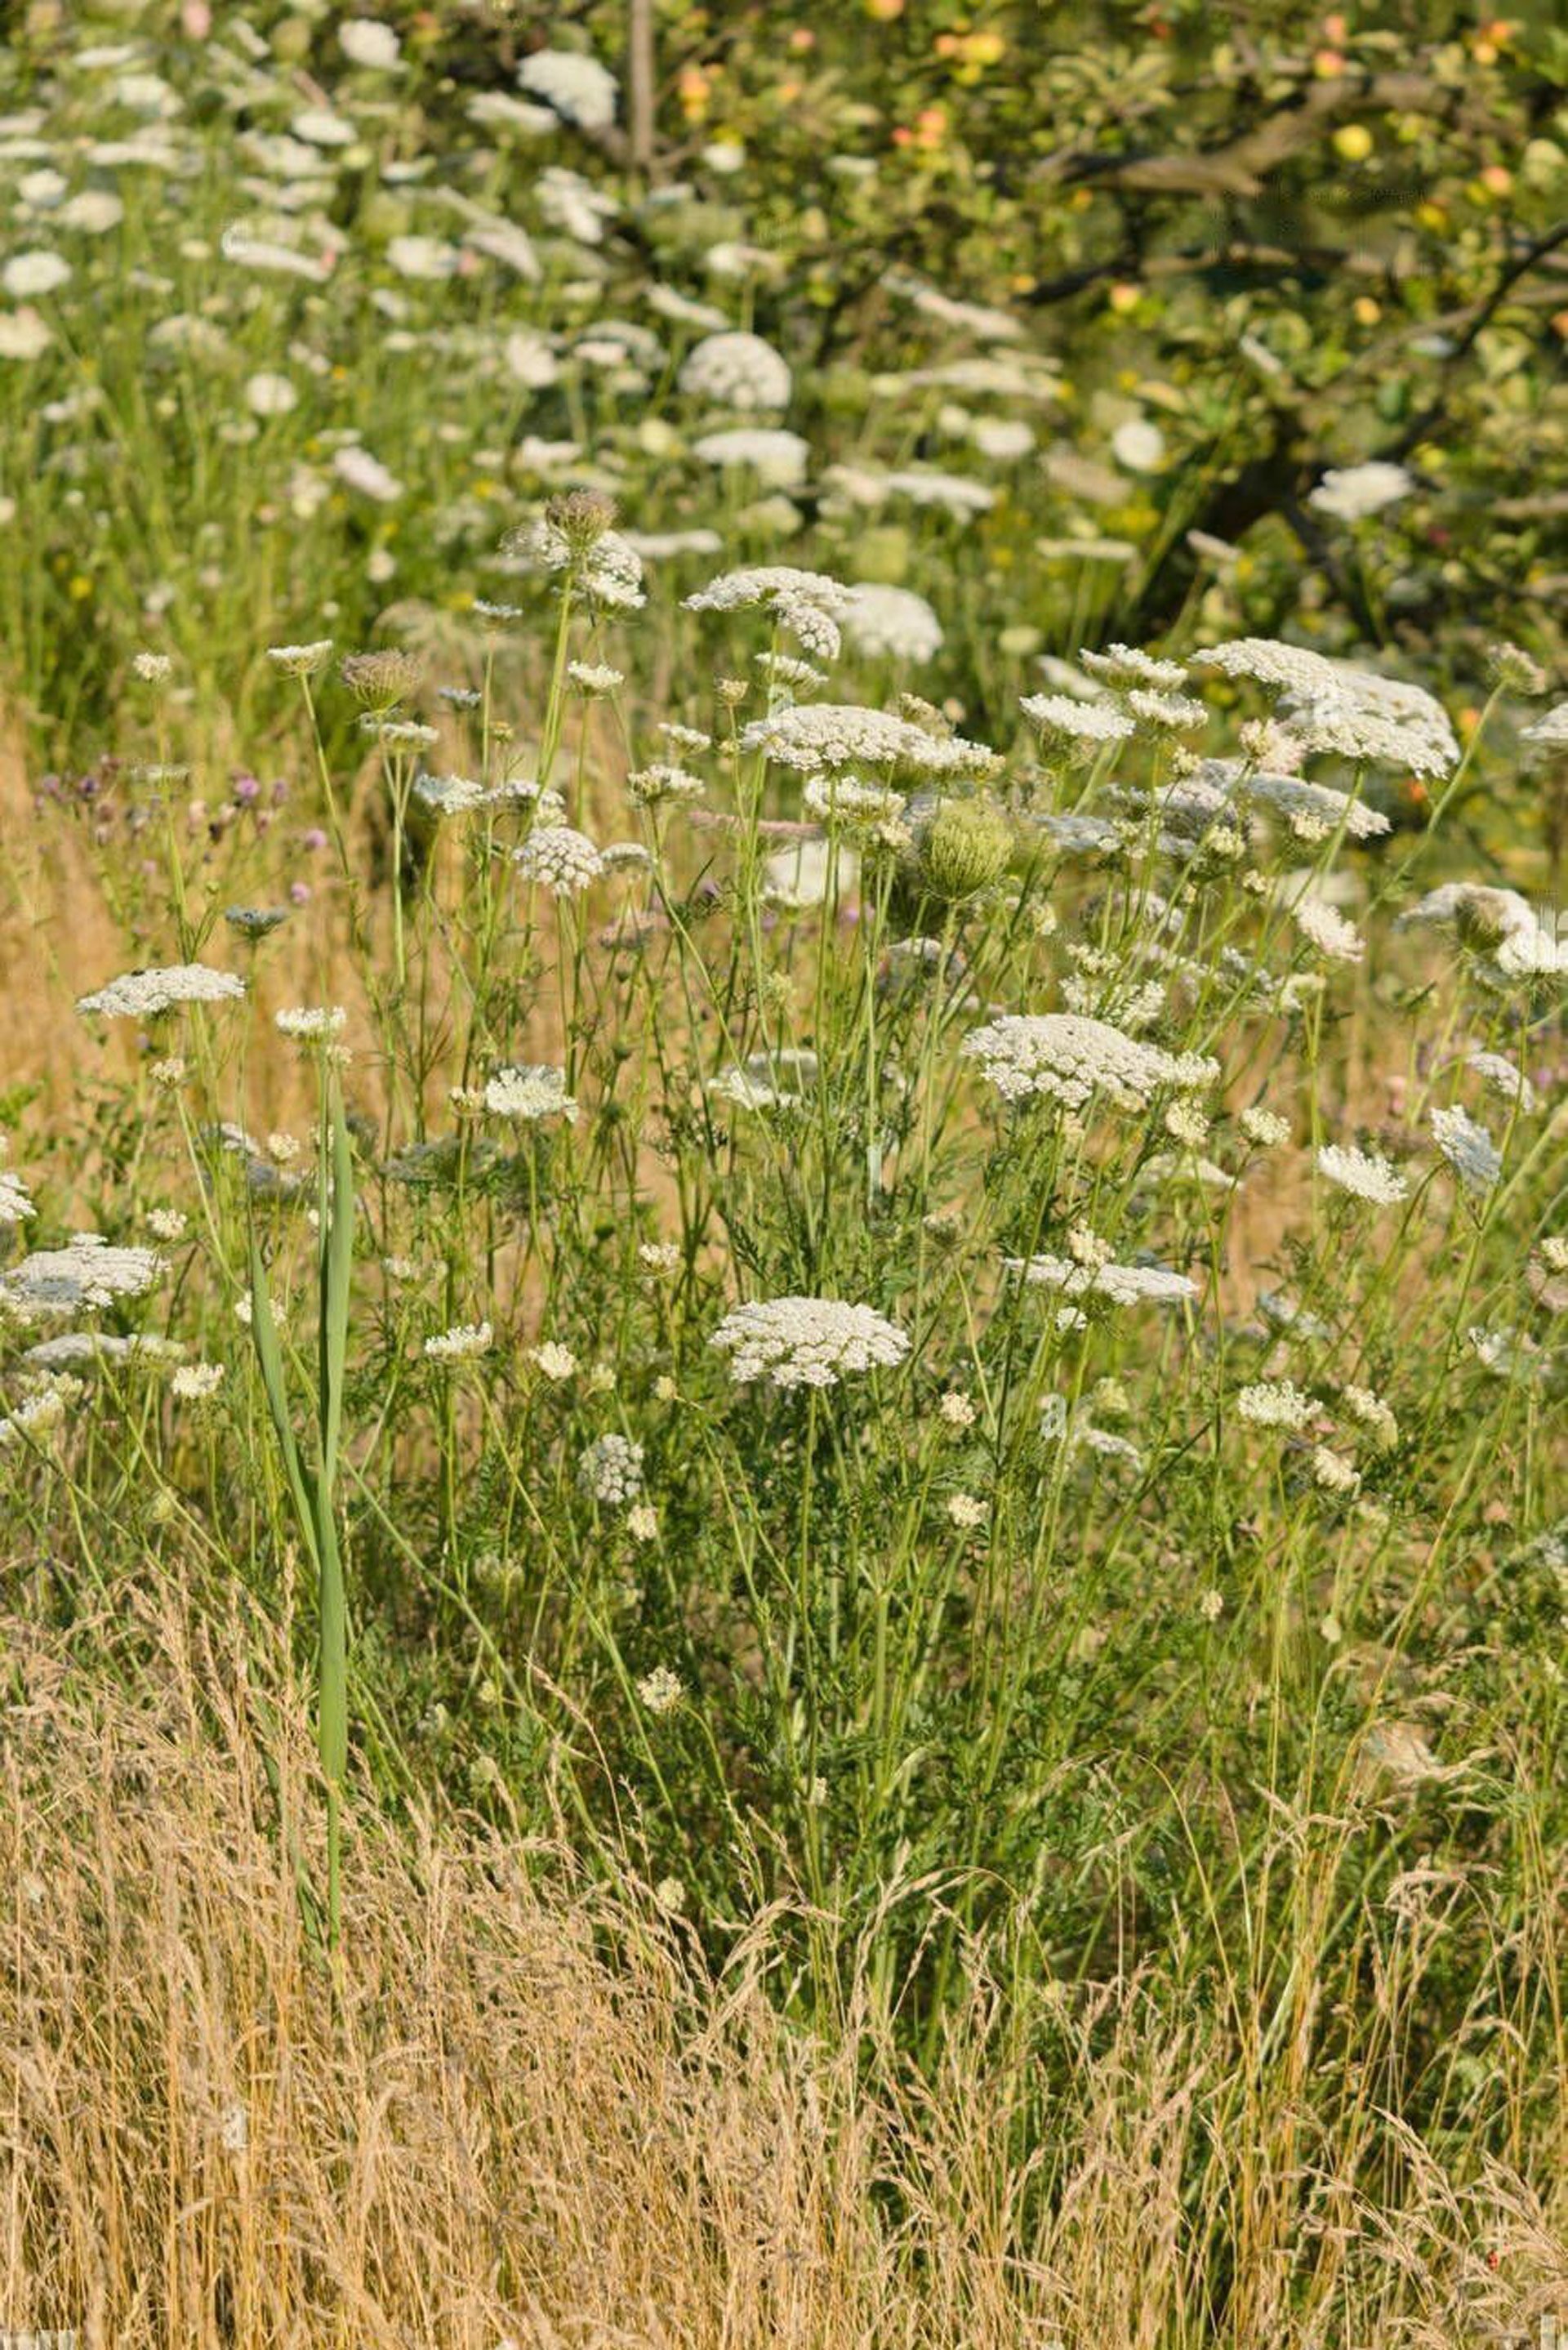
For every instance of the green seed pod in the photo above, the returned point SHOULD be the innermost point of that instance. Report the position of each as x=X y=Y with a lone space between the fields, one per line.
x=966 y=846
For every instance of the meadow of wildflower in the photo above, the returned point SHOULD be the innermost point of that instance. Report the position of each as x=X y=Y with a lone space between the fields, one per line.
x=783 y=1216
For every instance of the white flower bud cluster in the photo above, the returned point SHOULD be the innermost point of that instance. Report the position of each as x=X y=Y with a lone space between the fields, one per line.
x=610 y=1471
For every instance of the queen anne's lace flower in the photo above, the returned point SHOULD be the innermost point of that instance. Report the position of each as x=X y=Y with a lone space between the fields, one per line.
x=1549 y=732
x=312 y=1024
x=1327 y=931
x=365 y=472
x=563 y=861
x=530 y=1092
x=1363 y=1173
x=14 y=1204
x=582 y=91
x=777 y=458
x=1368 y=1411
x=807 y=1342
x=1502 y=1077
x=301 y=660
x=365 y=41
x=142 y=995
x=1316 y=809
x=839 y=802
x=459 y=1345
x=1125 y=665
x=87 y=1350
x=1478 y=915
x=89 y=1272
x=1275 y=1403
x=655 y=785
x=808 y=603
x=1071 y=1059
x=1531 y=955
x=1123 y=1284
x=660 y=1691
x=767 y=1081
x=829 y=734
x=610 y=1470
x=1176 y=714
x=736 y=370
x=609 y=570
x=39 y=1414
x=1468 y=1148
x=1349 y=493
x=1264 y=1128
x=1332 y=705
x=1062 y=717
x=892 y=623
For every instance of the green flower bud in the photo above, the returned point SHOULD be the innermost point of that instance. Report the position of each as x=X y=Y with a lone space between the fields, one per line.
x=966 y=846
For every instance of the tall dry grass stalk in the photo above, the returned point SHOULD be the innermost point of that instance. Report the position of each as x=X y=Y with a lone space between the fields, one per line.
x=526 y=2113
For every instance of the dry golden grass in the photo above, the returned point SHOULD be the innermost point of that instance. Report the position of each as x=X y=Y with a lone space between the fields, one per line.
x=527 y=2112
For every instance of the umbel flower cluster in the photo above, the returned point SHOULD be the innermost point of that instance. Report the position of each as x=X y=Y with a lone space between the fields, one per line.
x=807 y=1342
x=1071 y=1060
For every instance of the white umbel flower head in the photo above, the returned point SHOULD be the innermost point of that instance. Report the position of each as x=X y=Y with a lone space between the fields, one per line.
x=609 y=569
x=1071 y=1059
x=816 y=735
x=1468 y=1148
x=1124 y=665
x=563 y=861
x=1547 y=735
x=1350 y=493
x=365 y=42
x=610 y=1471
x=892 y=624
x=14 y=1204
x=461 y=1344
x=807 y=1342
x=1326 y=928
x=1077 y=728
x=808 y=603
x=529 y=1093
x=767 y=1081
x=361 y=471
x=312 y=1024
x=1316 y=811
x=89 y=1272
x=660 y=1691
x=736 y=370
x=27 y=275
x=301 y=660
x=1332 y=705
x=1123 y=1284
x=777 y=458
x=1501 y=1076
x=142 y=994
x=1275 y=1403
x=845 y=806
x=1363 y=1173
x=582 y=91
